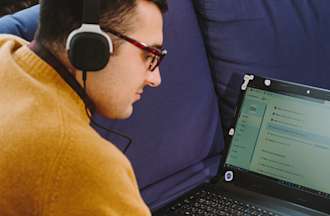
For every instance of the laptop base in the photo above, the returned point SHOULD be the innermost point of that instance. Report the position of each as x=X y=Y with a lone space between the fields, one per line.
x=229 y=200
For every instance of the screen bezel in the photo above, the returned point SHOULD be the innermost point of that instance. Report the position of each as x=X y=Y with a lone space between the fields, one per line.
x=263 y=184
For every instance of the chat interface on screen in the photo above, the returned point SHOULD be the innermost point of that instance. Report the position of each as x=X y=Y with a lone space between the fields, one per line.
x=283 y=137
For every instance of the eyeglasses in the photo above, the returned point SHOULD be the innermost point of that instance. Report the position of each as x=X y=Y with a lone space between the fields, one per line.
x=158 y=54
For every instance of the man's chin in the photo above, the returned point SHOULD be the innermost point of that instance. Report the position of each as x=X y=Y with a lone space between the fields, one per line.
x=127 y=114
x=124 y=114
x=117 y=114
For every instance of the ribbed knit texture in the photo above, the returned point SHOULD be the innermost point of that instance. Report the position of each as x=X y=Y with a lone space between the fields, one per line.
x=51 y=161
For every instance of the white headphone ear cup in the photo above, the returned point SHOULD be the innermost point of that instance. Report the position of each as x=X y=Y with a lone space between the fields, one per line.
x=89 y=48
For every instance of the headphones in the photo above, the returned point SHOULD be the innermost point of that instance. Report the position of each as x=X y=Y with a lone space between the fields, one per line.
x=88 y=47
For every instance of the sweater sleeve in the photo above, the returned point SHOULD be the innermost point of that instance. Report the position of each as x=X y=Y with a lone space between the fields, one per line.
x=93 y=178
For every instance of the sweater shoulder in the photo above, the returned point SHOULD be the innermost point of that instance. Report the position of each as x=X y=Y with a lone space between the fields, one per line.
x=4 y=38
x=94 y=172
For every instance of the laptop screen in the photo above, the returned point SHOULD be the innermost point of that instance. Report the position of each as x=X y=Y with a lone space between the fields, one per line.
x=285 y=137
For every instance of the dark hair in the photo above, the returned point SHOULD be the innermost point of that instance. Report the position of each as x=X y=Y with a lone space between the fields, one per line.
x=12 y=6
x=59 y=17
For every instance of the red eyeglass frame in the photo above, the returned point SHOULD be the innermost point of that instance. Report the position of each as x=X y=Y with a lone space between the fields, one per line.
x=160 y=53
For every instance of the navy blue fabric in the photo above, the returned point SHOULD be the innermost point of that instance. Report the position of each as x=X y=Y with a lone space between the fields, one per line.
x=284 y=39
x=175 y=128
x=23 y=23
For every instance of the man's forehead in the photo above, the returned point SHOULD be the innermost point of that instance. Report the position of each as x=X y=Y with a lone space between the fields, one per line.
x=148 y=23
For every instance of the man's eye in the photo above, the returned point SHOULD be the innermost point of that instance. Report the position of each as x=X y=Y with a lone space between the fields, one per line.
x=149 y=57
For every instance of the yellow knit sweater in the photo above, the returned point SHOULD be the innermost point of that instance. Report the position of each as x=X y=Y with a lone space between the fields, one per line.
x=51 y=161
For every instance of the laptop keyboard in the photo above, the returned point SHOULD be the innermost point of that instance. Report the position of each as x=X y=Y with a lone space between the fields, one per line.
x=214 y=204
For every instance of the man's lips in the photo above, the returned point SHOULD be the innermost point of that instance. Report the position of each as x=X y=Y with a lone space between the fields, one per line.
x=138 y=95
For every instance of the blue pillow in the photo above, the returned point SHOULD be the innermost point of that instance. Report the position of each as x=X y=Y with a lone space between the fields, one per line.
x=276 y=38
x=23 y=23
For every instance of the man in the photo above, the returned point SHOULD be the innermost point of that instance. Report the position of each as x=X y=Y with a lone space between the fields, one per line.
x=52 y=162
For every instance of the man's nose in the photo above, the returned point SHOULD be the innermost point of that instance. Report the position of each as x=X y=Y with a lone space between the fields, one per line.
x=154 y=78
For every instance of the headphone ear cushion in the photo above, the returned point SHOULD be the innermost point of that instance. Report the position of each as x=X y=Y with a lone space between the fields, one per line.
x=89 y=51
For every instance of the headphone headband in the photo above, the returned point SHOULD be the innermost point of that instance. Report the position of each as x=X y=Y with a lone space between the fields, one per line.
x=91 y=11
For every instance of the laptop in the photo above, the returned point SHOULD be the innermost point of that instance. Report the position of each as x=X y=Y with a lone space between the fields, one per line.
x=277 y=159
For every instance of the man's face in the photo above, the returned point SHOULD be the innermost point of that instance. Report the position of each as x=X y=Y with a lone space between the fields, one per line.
x=115 y=88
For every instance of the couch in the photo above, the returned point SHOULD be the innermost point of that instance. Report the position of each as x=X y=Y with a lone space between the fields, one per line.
x=178 y=129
